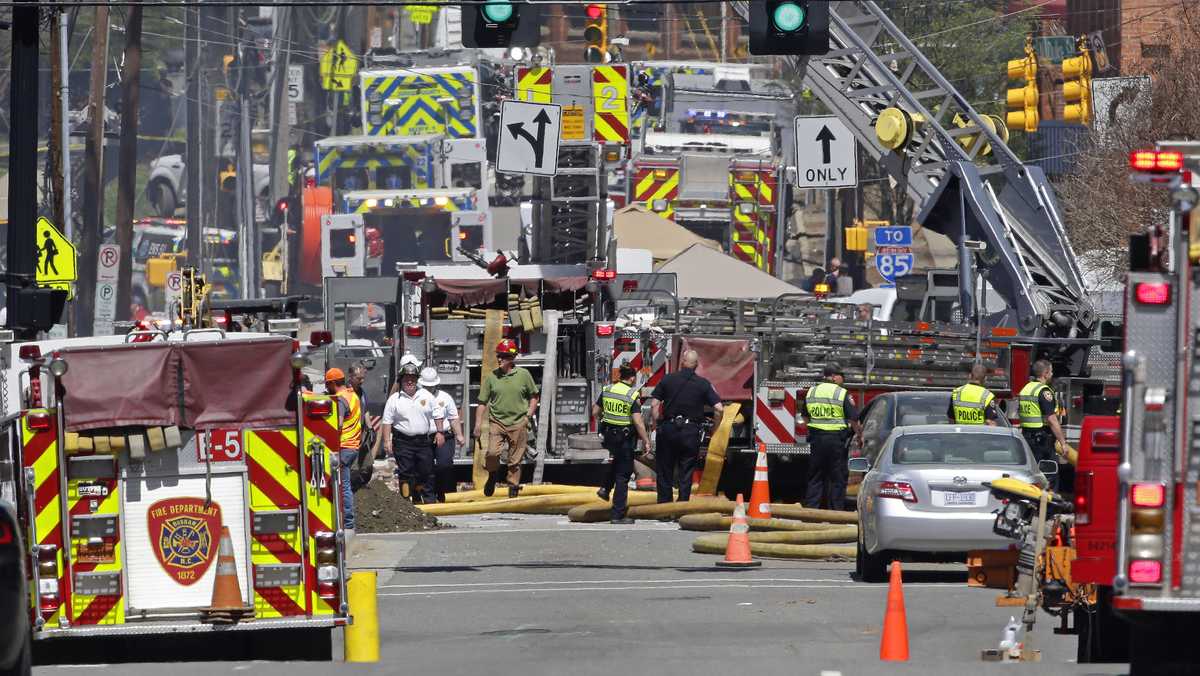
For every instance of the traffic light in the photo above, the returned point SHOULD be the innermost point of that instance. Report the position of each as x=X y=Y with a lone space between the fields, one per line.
x=1077 y=86
x=1023 y=101
x=501 y=23
x=227 y=177
x=789 y=27
x=596 y=33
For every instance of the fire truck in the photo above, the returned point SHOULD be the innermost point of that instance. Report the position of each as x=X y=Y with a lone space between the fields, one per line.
x=135 y=454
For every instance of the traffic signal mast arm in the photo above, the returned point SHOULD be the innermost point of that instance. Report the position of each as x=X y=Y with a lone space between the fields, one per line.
x=1010 y=206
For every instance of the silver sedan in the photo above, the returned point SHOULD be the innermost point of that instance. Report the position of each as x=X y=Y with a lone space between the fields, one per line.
x=924 y=497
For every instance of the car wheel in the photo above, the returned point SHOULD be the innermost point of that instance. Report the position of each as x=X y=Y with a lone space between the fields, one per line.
x=162 y=196
x=23 y=666
x=871 y=568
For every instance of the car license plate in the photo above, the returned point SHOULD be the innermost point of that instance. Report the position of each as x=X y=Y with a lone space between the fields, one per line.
x=959 y=499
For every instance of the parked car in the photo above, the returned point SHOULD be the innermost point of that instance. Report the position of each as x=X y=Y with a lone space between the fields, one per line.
x=166 y=187
x=923 y=495
x=15 y=636
x=893 y=409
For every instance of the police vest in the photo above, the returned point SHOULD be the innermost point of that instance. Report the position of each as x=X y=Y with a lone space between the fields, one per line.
x=970 y=404
x=1030 y=408
x=352 y=422
x=616 y=404
x=826 y=406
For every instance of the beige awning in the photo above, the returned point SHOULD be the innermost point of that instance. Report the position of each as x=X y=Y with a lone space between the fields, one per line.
x=702 y=272
x=635 y=227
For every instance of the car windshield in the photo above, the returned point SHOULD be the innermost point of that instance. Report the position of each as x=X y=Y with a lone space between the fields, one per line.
x=922 y=410
x=958 y=449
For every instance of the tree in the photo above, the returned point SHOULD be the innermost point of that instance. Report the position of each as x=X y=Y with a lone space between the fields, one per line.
x=1102 y=206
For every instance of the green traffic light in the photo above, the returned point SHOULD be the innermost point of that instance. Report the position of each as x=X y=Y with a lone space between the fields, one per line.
x=497 y=11
x=788 y=17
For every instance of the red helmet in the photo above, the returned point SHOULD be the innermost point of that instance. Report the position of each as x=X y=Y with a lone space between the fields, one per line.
x=506 y=347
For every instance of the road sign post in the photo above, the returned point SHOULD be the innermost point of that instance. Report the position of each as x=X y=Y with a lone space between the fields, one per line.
x=529 y=136
x=826 y=153
x=107 y=268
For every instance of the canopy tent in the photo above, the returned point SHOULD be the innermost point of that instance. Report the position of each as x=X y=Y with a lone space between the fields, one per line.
x=637 y=228
x=702 y=272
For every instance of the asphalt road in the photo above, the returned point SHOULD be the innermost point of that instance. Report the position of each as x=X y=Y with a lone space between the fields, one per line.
x=537 y=595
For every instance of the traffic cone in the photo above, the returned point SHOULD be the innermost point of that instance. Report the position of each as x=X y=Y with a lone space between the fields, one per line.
x=760 y=491
x=737 y=551
x=894 y=645
x=226 y=605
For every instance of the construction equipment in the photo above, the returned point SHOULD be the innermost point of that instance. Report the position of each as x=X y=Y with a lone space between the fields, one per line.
x=126 y=515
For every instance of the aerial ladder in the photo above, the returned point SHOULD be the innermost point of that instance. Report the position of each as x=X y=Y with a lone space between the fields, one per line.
x=968 y=183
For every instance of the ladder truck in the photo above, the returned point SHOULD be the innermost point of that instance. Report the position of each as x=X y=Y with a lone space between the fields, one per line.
x=969 y=184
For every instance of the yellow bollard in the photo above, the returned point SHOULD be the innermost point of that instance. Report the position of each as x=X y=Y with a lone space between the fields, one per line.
x=362 y=636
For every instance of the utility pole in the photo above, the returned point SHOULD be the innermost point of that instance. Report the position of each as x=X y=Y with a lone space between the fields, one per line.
x=194 y=164
x=281 y=131
x=64 y=101
x=58 y=136
x=22 y=144
x=93 y=184
x=247 y=232
x=127 y=157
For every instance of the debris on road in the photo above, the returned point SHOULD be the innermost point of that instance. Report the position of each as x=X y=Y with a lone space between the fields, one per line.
x=378 y=509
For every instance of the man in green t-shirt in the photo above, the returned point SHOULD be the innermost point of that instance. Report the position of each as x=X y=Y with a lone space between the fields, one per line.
x=507 y=400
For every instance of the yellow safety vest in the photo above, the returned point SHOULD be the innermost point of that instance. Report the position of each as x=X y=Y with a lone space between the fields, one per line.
x=616 y=404
x=352 y=422
x=1030 y=408
x=826 y=406
x=970 y=404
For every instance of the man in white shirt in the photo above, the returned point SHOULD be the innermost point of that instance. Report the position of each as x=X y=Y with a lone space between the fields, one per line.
x=446 y=418
x=410 y=435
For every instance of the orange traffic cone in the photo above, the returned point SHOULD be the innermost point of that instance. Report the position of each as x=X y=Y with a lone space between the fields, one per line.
x=737 y=552
x=226 y=605
x=894 y=645
x=760 y=491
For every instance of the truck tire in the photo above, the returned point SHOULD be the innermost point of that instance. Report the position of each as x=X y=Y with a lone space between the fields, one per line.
x=1103 y=635
x=1163 y=645
x=23 y=666
x=872 y=568
x=162 y=196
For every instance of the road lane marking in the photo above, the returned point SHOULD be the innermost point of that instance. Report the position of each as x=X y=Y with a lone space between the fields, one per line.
x=527 y=590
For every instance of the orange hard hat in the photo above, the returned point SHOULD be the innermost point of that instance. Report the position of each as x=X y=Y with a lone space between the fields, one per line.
x=334 y=374
x=506 y=347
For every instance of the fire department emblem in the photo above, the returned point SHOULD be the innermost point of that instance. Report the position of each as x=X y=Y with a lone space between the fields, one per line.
x=184 y=532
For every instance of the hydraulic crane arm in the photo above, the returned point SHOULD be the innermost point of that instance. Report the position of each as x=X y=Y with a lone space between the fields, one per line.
x=872 y=65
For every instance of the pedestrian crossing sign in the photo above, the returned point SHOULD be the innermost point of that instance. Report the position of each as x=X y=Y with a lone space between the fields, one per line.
x=339 y=65
x=56 y=256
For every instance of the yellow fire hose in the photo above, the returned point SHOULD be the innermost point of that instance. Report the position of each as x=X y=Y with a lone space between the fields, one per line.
x=542 y=504
x=715 y=544
x=718 y=522
x=649 y=509
x=812 y=515
x=714 y=460
x=526 y=491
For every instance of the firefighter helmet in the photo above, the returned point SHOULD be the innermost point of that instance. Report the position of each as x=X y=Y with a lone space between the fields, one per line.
x=409 y=369
x=507 y=348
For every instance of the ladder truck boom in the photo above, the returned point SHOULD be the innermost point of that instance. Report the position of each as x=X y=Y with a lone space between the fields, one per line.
x=954 y=151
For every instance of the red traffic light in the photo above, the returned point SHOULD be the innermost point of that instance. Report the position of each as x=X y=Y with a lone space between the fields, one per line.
x=594 y=11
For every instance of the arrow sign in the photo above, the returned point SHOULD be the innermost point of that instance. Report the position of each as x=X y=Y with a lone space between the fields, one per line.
x=824 y=137
x=531 y=144
x=538 y=142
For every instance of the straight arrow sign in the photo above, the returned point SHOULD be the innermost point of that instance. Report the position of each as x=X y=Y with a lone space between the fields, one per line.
x=826 y=153
x=824 y=137
x=531 y=144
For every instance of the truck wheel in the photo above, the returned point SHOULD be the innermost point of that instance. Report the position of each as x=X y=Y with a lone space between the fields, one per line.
x=1163 y=645
x=162 y=196
x=871 y=568
x=1103 y=635
x=23 y=666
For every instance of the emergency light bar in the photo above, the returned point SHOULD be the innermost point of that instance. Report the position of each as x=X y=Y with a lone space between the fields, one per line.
x=604 y=274
x=1160 y=161
x=1152 y=293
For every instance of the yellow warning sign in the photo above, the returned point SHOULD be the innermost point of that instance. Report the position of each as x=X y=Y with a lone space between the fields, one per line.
x=573 y=128
x=56 y=256
x=339 y=65
x=420 y=14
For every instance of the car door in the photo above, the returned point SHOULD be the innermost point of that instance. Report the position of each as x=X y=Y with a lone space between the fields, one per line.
x=877 y=423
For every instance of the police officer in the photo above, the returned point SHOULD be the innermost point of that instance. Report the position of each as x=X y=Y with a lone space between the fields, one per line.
x=972 y=403
x=678 y=406
x=1039 y=414
x=620 y=411
x=831 y=414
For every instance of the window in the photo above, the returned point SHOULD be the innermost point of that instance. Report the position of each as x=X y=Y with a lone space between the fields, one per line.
x=923 y=410
x=876 y=426
x=958 y=449
x=1112 y=336
x=341 y=242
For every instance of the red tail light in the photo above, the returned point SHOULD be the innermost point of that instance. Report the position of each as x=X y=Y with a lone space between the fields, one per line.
x=1083 y=498
x=414 y=330
x=1155 y=160
x=901 y=490
x=1106 y=440
x=38 y=422
x=604 y=330
x=319 y=338
x=30 y=352
x=1148 y=496
x=48 y=605
x=1145 y=571
x=318 y=408
x=604 y=275
x=1152 y=293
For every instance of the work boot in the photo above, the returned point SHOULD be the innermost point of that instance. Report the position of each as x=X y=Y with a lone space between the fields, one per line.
x=623 y=521
x=405 y=490
x=602 y=494
x=514 y=491
x=489 y=486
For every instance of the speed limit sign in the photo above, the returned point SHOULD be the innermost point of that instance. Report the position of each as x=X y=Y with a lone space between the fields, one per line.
x=295 y=83
x=221 y=446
